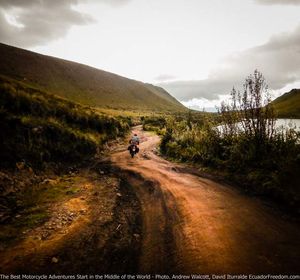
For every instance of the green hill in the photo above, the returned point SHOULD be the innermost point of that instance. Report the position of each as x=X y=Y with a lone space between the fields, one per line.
x=288 y=104
x=159 y=91
x=37 y=127
x=83 y=84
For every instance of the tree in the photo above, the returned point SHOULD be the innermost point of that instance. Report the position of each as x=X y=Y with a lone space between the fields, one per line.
x=250 y=112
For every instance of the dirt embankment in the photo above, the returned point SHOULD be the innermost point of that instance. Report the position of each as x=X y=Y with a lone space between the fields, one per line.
x=90 y=224
x=195 y=225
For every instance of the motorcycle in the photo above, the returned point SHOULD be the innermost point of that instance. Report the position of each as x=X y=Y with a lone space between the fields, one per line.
x=133 y=149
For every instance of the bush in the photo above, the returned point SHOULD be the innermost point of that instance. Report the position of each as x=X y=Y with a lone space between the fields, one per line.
x=247 y=148
x=37 y=127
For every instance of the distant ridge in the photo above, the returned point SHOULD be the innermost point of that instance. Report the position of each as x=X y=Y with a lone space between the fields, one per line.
x=288 y=104
x=82 y=83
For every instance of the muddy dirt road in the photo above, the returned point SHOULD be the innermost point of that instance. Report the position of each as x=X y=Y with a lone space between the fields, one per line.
x=195 y=225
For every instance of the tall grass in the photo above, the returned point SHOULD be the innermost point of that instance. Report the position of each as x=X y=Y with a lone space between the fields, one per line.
x=38 y=127
x=258 y=157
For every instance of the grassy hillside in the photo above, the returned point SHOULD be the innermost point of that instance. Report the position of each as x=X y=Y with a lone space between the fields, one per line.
x=37 y=127
x=288 y=105
x=82 y=83
x=162 y=93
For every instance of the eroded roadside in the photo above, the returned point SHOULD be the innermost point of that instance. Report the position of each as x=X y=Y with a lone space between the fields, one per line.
x=92 y=224
x=149 y=215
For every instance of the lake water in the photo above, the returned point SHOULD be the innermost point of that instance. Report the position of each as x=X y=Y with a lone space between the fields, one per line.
x=288 y=123
x=280 y=124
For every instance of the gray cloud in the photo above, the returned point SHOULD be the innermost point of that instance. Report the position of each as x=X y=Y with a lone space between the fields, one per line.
x=164 y=77
x=116 y=2
x=278 y=60
x=278 y=2
x=42 y=20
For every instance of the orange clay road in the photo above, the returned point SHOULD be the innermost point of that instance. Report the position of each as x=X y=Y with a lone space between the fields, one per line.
x=195 y=225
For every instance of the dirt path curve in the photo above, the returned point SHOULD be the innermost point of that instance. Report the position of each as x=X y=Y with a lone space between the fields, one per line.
x=195 y=225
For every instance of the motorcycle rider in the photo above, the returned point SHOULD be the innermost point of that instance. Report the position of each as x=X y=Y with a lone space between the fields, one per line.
x=135 y=140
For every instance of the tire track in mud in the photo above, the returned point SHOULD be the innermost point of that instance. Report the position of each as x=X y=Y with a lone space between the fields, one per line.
x=158 y=241
x=195 y=225
x=160 y=218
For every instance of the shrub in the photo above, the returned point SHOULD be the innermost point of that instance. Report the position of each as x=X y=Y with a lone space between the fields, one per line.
x=247 y=148
x=38 y=127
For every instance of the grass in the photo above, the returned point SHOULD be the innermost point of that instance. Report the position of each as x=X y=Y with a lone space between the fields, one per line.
x=83 y=84
x=31 y=206
x=39 y=127
x=288 y=105
x=269 y=169
x=258 y=158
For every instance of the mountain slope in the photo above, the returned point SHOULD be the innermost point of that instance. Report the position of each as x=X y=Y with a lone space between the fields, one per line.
x=37 y=127
x=83 y=84
x=288 y=104
x=159 y=91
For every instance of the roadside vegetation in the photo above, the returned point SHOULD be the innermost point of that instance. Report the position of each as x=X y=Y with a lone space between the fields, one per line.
x=44 y=141
x=154 y=123
x=241 y=143
x=37 y=127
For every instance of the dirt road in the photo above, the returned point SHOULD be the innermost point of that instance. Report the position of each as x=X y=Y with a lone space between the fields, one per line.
x=195 y=225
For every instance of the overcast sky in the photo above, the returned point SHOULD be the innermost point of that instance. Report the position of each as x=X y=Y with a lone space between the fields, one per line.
x=196 y=49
